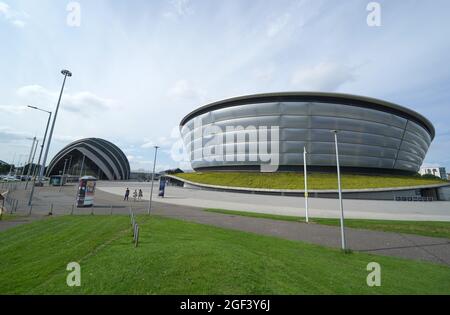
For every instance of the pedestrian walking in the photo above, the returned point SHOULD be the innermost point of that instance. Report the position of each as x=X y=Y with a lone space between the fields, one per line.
x=141 y=194
x=127 y=193
x=135 y=194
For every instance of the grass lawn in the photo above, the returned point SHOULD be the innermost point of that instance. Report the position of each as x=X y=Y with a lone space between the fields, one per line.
x=177 y=257
x=425 y=228
x=296 y=181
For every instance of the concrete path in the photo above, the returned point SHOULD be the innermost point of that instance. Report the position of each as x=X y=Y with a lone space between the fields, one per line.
x=294 y=206
x=436 y=250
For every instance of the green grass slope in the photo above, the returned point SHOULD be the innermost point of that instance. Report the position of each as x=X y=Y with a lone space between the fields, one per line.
x=177 y=257
x=292 y=180
x=425 y=228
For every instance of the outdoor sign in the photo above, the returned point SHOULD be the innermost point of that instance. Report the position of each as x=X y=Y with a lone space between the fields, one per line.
x=162 y=187
x=86 y=191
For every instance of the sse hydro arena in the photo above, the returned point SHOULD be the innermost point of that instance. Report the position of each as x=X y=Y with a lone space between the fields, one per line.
x=374 y=136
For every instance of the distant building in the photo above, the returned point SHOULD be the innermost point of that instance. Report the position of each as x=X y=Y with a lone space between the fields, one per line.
x=173 y=171
x=3 y=163
x=436 y=171
x=91 y=156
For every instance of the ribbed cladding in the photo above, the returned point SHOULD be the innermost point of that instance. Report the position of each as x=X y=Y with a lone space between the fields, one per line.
x=347 y=99
x=367 y=137
x=94 y=150
x=120 y=156
x=101 y=149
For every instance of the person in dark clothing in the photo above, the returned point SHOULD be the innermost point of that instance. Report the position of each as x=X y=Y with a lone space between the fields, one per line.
x=127 y=193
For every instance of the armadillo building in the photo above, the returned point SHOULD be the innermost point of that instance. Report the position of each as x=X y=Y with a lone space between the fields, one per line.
x=91 y=156
x=373 y=135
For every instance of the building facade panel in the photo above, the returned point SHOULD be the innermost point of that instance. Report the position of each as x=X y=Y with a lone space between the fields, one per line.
x=372 y=134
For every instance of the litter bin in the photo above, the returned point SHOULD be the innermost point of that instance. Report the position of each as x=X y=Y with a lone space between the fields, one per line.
x=86 y=191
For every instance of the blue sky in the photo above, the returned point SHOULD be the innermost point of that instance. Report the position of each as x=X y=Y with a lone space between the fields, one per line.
x=140 y=66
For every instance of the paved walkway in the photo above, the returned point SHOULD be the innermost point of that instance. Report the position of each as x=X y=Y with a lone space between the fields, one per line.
x=294 y=206
x=430 y=249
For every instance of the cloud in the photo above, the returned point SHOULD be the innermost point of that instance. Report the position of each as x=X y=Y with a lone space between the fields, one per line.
x=179 y=8
x=182 y=89
x=11 y=109
x=80 y=102
x=278 y=25
x=325 y=76
x=9 y=135
x=264 y=73
x=16 y=18
x=162 y=142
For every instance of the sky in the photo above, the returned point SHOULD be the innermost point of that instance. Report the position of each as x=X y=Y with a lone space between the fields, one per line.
x=140 y=66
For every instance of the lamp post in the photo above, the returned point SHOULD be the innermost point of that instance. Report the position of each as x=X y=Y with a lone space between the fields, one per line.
x=306 y=184
x=66 y=74
x=41 y=167
x=31 y=152
x=153 y=178
x=30 y=165
x=11 y=166
x=339 y=190
x=62 y=177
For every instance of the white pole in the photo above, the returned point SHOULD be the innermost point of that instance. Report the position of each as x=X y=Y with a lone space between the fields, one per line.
x=153 y=177
x=42 y=166
x=306 y=184
x=30 y=166
x=339 y=191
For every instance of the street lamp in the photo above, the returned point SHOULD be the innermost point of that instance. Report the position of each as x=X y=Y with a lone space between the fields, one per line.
x=339 y=190
x=153 y=178
x=42 y=167
x=66 y=74
x=31 y=164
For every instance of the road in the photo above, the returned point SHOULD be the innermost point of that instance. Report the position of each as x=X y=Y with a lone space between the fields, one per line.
x=294 y=206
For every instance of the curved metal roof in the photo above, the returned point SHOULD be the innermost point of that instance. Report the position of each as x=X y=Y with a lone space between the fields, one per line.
x=106 y=155
x=338 y=98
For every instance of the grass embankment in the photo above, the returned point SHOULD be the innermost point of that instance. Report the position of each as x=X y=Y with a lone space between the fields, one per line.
x=296 y=181
x=177 y=257
x=425 y=228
